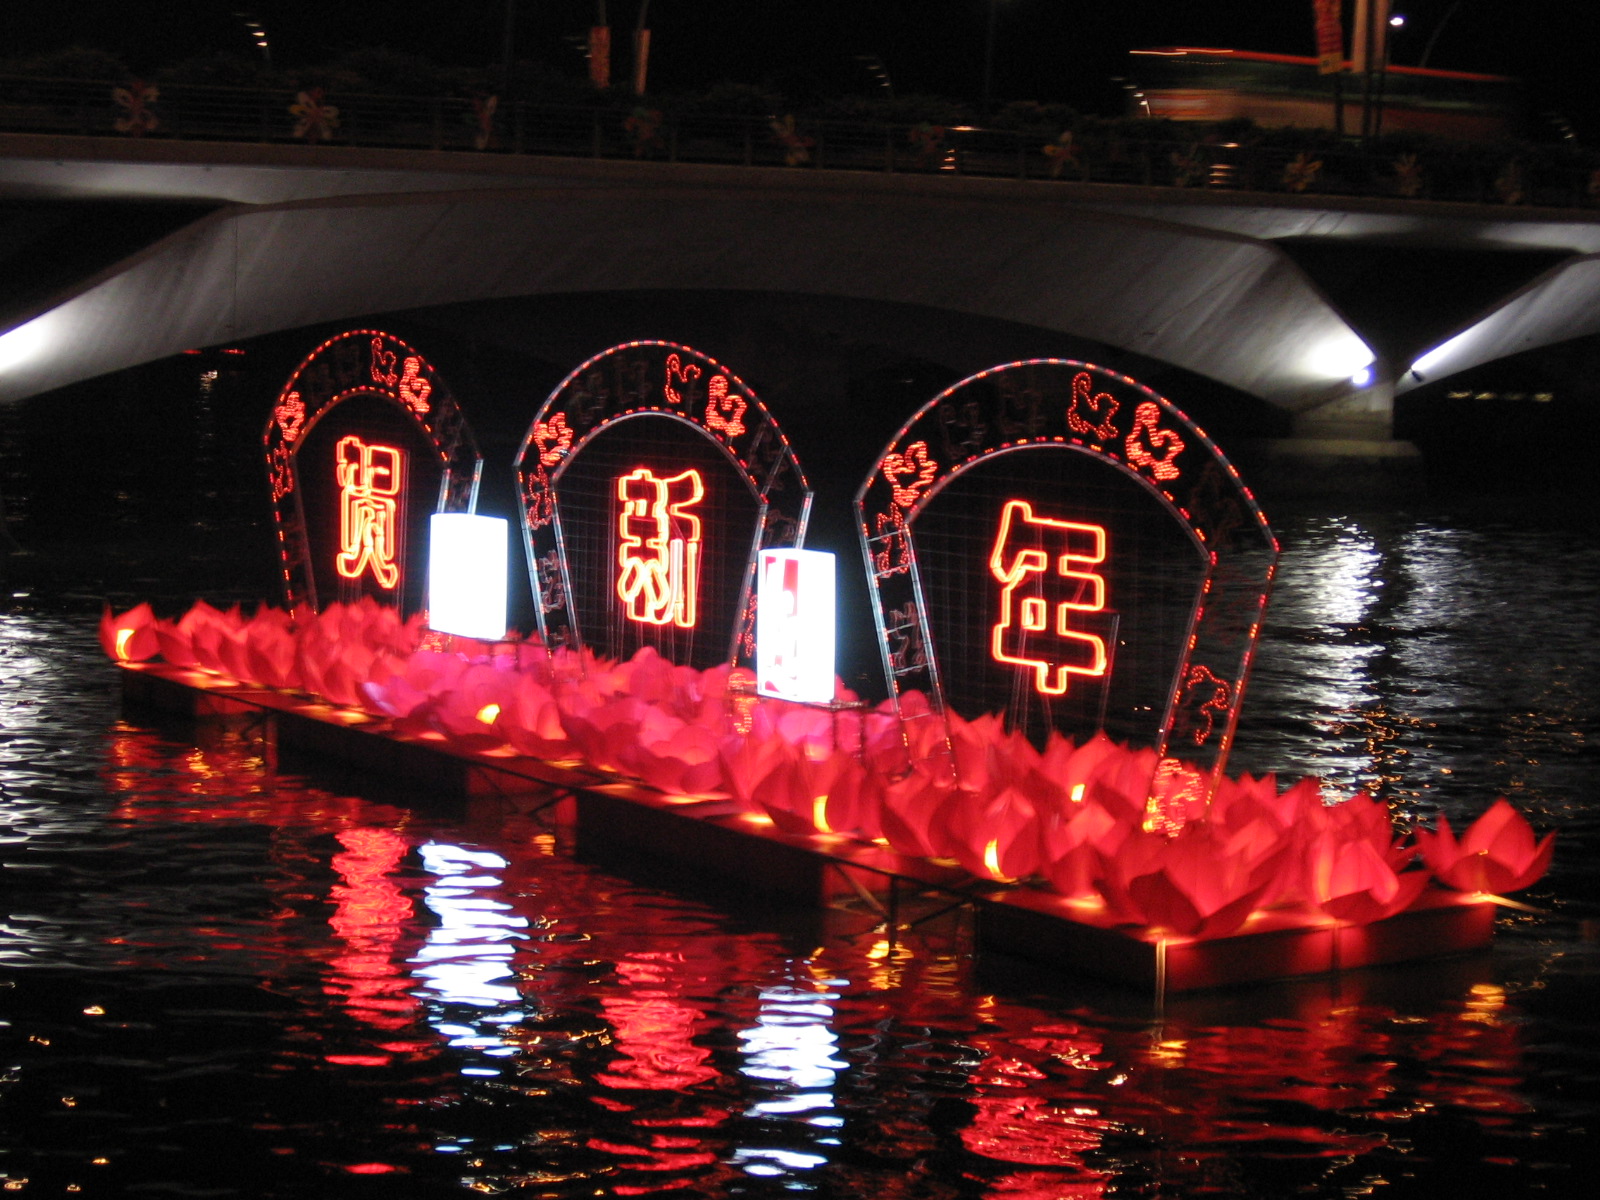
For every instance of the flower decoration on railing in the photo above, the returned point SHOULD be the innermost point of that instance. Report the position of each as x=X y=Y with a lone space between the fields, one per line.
x=1511 y=185
x=1062 y=153
x=643 y=127
x=315 y=118
x=1074 y=817
x=1301 y=172
x=796 y=146
x=135 y=101
x=1188 y=167
x=927 y=144
x=1408 y=176
x=483 y=110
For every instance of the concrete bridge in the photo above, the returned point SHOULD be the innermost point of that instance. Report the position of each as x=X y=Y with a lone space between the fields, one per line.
x=1253 y=291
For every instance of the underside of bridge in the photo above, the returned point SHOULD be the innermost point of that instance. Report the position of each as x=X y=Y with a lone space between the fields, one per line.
x=124 y=253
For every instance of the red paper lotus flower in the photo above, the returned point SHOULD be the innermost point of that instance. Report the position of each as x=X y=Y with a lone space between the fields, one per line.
x=1352 y=881
x=1198 y=883
x=1497 y=854
x=674 y=756
x=530 y=721
x=130 y=637
x=995 y=836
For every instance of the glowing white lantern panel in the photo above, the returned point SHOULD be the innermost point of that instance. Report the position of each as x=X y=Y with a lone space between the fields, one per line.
x=467 y=575
x=795 y=625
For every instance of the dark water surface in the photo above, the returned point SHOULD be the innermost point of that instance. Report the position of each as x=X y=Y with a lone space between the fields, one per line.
x=221 y=977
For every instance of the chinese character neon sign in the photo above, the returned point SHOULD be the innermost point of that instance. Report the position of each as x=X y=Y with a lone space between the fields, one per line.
x=658 y=546
x=369 y=478
x=1045 y=567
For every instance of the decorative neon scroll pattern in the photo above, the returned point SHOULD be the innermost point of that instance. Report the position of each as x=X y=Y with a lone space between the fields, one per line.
x=1041 y=590
x=658 y=547
x=1061 y=405
x=361 y=362
x=654 y=380
x=371 y=480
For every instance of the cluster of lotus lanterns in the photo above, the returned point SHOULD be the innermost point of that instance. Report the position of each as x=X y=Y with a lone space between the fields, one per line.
x=1146 y=842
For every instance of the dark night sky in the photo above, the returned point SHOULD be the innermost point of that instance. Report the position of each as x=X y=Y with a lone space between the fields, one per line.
x=1044 y=49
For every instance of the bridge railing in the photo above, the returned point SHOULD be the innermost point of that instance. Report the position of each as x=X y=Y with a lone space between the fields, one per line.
x=1277 y=162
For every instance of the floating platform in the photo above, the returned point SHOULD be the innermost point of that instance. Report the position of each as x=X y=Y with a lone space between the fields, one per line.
x=711 y=848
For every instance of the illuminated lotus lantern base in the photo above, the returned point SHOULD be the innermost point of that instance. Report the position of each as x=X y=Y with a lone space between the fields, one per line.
x=755 y=797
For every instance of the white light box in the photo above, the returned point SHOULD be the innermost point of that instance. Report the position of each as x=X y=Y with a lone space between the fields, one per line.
x=467 y=575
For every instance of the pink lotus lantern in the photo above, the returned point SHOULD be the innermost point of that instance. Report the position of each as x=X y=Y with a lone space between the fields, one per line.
x=530 y=721
x=1497 y=854
x=1352 y=881
x=674 y=756
x=995 y=837
x=1197 y=883
x=130 y=637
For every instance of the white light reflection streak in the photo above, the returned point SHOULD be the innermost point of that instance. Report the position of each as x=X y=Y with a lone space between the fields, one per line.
x=466 y=961
x=791 y=1052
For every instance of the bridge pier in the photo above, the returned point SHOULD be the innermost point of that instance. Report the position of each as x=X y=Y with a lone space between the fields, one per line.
x=1342 y=445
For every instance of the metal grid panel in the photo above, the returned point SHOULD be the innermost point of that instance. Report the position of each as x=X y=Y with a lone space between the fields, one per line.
x=589 y=513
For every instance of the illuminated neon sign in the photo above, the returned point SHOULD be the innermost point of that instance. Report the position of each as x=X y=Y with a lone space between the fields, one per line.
x=1152 y=592
x=370 y=479
x=658 y=547
x=1036 y=580
x=650 y=481
x=364 y=440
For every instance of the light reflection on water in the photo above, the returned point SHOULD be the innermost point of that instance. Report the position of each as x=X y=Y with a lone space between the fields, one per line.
x=216 y=976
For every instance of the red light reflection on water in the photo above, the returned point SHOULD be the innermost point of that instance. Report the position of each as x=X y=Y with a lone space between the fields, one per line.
x=672 y=1097
x=371 y=917
x=1019 y=1121
x=654 y=1029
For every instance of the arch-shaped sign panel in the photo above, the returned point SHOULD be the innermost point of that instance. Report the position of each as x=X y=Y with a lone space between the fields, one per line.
x=1055 y=542
x=649 y=480
x=364 y=444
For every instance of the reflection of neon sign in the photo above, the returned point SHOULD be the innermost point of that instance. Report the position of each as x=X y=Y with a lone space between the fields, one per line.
x=1031 y=590
x=369 y=479
x=658 y=548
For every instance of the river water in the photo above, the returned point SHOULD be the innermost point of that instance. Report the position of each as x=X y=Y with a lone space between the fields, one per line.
x=221 y=976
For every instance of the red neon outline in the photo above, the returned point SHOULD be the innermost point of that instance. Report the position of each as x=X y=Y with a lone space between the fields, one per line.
x=658 y=547
x=414 y=390
x=723 y=415
x=1221 y=696
x=290 y=414
x=553 y=439
x=369 y=509
x=683 y=374
x=1102 y=405
x=1146 y=420
x=914 y=462
x=1032 y=614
